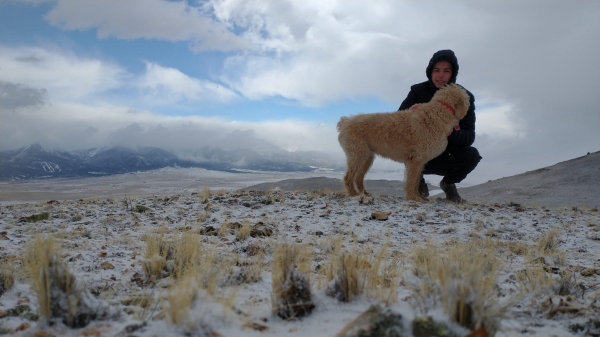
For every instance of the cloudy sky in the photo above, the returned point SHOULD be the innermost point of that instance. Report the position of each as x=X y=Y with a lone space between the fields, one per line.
x=184 y=74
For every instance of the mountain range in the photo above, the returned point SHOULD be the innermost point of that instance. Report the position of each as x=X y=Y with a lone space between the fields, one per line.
x=38 y=162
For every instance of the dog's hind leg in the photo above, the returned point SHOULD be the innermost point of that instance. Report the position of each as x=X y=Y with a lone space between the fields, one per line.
x=412 y=178
x=365 y=165
x=349 y=176
x=349 y=182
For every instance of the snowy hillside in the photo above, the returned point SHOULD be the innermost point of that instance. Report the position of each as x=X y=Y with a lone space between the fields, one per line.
x=223 y=263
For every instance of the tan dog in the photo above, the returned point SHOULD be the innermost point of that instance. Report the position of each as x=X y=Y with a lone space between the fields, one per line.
x=412 y=137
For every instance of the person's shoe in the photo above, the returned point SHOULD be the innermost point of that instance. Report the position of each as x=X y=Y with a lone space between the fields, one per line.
x=451 y=192
x=423 y=190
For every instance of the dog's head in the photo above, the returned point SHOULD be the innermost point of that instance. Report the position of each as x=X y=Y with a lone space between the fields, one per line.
x=455 y=96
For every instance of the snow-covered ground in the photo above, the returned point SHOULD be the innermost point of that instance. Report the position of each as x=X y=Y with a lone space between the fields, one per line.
x=162 y=181
x=103 y=243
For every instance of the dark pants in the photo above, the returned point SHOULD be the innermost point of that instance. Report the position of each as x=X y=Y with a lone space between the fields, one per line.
x=454 y=165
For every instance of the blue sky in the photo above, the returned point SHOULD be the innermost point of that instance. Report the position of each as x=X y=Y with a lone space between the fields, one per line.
x=132 y=54
x=176 y=74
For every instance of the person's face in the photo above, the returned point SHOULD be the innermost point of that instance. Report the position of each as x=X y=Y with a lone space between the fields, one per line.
x=442 y=72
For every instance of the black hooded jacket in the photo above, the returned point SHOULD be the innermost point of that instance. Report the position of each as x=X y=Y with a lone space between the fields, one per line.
x=423 y=92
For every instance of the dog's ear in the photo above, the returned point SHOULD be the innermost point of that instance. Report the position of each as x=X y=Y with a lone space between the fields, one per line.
x=463 y=101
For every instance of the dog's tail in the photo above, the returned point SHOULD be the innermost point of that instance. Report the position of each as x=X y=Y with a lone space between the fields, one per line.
x=341 y=123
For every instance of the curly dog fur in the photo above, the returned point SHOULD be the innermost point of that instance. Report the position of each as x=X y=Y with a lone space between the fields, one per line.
x=412 y=137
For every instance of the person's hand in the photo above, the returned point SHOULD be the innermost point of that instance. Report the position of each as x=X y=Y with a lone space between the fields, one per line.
x=414 y=106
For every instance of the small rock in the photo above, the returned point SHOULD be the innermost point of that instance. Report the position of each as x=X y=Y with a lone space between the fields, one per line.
x=18 y=310
x=261 y=230
x=374 y=322
x=23 y=301
x=23 y=326
x=326 y=213
x=36 y=217
x=92 y=333
x=209 y=230
x=256 y=326
x=141 y=209
x=481 y=332
x=380 y=215
x=107 y=265
x=427 y=327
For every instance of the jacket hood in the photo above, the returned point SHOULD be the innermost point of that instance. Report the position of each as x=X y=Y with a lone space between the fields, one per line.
x=443 y=55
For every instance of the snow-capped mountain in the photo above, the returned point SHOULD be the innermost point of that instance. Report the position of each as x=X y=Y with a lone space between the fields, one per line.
x=36 y=161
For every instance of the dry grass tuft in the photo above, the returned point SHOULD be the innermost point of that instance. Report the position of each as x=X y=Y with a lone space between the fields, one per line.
x=187 y=251
x=331 y=245
x=39 y=255
x=241 y=269
x=225 y=229
x=548 y=243
x=463 y=279
x=350 y=274
x=243 y=231
x=205 y=195
x=518 y=248
x=345 y=276
x=57 y=291
x=547 y=246
x=326 y=192
x=181 y=297
x=158 y=250
x=292 y=296
x=537 y=278
x=210 y=269
x=143 y=302
x=184 y=254
x=383 y=276
x=7 y=275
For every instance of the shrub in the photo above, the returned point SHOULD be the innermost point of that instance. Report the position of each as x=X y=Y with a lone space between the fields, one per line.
x=59 y=295
x=292 y=296
x=463 y=279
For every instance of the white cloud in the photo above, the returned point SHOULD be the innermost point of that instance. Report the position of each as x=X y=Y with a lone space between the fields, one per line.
x=63 y=74
x=318 y=53
x=497 y=122
x=146 y=19
x=68 y=77
x=70 y=126
x=163 y=85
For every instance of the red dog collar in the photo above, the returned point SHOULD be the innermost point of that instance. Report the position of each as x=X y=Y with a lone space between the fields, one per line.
x=448 y=106
x=456 y=127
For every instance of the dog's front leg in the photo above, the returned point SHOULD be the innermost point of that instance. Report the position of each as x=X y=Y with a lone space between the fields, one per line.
x=412 y=178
